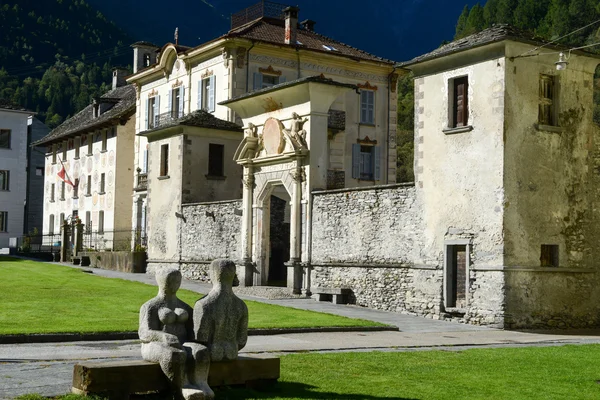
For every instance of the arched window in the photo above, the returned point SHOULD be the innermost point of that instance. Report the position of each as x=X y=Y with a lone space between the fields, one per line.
x=146 y=60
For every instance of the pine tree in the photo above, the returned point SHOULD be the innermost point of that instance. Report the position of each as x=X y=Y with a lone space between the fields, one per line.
x=462 y=23
x=475 y=21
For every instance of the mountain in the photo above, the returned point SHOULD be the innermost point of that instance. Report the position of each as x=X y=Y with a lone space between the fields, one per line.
x=397 y=30
x=36 y=33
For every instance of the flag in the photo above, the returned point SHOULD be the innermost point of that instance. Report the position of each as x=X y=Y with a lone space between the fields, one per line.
x=62 y=174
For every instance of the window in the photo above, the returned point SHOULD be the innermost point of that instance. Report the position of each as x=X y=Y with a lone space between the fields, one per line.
x=367 y=107
x=3 y=221
x=76 y=189
x=89 y=185
x=4 y=138
x=88 y=221
x=146 y=60
x=39 y=171
x=549 y=255
x=4 y=180
x=52 y=186
x=62 y=219
x=206 y=94
x=53 y=154
x=215 y=159
x=152 y=107
x=101 y=222
x=64 y=151
x=102 y=183
x=366 y=162
x=176 y=102
x=459 y=106
x=90 y=143
x=104 y=141
x=51 y=224
x=546 y=113
x=62 y=190
x=262 y=81
x=164 y=160
x=77 y=146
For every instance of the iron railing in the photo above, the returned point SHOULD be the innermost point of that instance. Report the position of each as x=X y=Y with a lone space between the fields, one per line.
x=118 y=240
x=263 y=9
x=142 y=181
x=165 y=119
x=47 y=243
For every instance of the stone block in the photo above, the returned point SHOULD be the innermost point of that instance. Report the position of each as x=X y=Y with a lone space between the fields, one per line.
x=118 y=379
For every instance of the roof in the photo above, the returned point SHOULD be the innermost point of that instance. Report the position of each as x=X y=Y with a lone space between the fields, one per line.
x=270 y=30
x=496 y=33
x=201 y=119
x=316 y=79
x=9 y=105
x=84 y=121
x=143 y=43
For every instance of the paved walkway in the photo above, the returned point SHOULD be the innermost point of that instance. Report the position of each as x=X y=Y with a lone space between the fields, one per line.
x=47 y=368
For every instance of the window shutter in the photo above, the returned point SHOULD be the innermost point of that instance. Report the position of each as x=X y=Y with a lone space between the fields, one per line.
x=460 y=101
x=145 y=165
x=377 y=162
x=370 y=107
x=211 y=94
x=181 y=101
x=257 y=81
x=200 y=95
x=147 y=111
x=356 y=160
x=170 y=102
x=156 y=111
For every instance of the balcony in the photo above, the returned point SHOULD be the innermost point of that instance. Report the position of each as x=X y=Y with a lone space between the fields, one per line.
x=164 y=119
x=142 y=181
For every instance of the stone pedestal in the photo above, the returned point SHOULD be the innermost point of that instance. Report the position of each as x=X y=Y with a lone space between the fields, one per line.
x=119 y=379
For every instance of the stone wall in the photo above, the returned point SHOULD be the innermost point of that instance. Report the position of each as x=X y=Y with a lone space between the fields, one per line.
x=369 y=240
x=379 y=225
x=210 y=231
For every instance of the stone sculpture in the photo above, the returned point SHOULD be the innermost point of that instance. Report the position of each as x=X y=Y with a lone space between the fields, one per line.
x=296 y=129
x=184 y=341
x=166 y=326
x=221 y=318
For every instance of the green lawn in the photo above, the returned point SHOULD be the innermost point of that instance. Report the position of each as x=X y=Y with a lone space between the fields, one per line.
x=563 y=372
x=37 y=297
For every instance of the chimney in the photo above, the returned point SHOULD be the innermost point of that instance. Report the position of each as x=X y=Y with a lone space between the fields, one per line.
x=291 y=24
x=118 y=78
x=308 y=24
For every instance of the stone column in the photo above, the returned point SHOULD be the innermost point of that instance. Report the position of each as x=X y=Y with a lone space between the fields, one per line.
x=246 y=270
x=294 y=275
x=65 y=243
x=78 y=226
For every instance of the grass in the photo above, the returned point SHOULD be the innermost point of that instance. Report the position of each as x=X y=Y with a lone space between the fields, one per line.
x=38 y=297
x=562 y=372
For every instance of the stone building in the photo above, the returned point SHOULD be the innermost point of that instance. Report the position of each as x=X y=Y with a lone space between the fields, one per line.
x=95 y=150
x=187 y=138
x=15 y=133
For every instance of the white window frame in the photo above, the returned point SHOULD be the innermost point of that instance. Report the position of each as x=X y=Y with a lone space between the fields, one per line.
x=206 y=94
x=4 y=221
x=5 y=181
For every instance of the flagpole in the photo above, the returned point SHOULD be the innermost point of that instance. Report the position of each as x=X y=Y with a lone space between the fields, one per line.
x=66 y=173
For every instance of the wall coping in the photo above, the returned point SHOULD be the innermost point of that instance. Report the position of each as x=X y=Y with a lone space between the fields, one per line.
x=208 y=203
x=372 y=265
x=563 y=270
x=363 y=188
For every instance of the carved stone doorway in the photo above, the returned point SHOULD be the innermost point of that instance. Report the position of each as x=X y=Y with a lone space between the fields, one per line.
x=279 y=237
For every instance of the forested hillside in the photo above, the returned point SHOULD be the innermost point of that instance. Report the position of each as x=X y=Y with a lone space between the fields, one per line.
x=549 y=19
x=55 y=55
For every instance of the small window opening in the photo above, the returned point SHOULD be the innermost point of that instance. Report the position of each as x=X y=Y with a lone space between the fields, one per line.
x=549 y=255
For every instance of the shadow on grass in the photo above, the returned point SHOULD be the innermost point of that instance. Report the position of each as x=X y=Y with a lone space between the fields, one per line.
x=292 y=390
x=12 y=259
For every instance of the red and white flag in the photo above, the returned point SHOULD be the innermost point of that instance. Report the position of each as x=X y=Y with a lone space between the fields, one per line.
x=62 y=174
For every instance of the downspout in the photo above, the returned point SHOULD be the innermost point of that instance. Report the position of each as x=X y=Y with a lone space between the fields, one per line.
x=248 y=66
x=387 y=137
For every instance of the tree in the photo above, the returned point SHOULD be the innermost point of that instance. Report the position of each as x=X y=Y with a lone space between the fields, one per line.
x=462 y=23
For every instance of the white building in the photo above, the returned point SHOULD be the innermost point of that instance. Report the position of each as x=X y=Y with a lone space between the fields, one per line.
x=95 y=148
x=13 y=170
x=191 y=162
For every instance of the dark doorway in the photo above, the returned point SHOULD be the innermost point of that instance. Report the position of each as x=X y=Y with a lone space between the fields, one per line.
x=279 y=240
x=456 y=276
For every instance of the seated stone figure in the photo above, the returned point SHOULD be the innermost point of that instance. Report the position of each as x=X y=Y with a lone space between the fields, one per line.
x=221 y=318
x=166 y=332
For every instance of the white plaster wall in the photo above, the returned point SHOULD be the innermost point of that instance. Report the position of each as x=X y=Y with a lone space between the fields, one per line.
x=460 y=176
x=116 y=163
x=15 y=161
